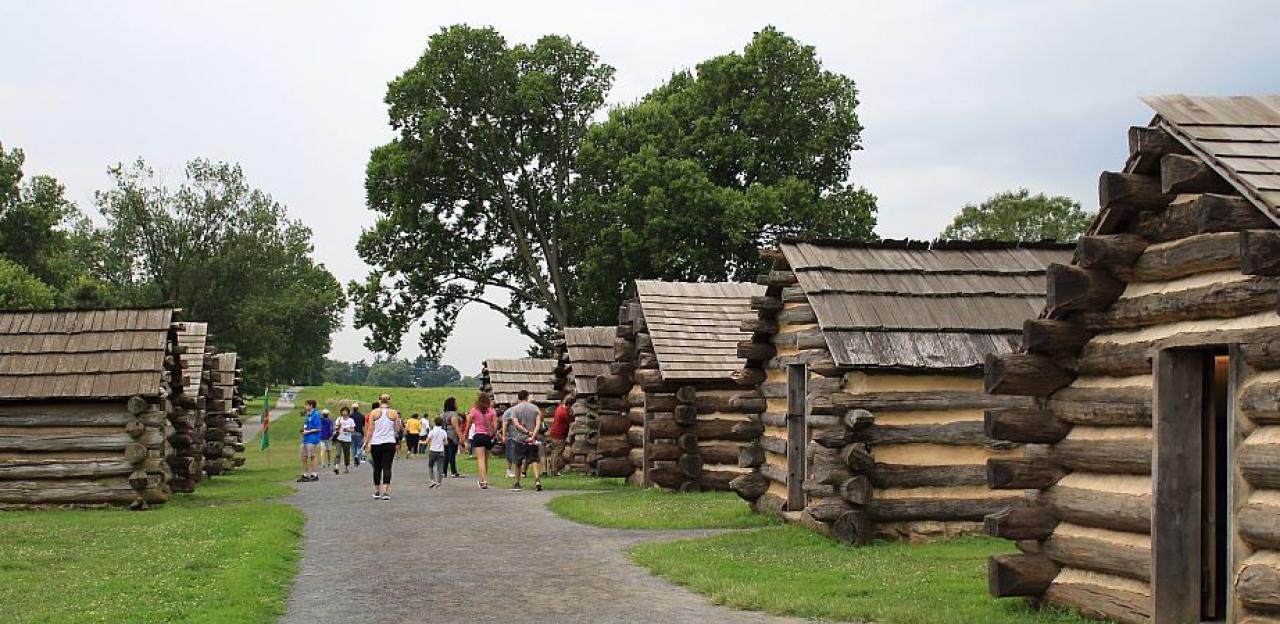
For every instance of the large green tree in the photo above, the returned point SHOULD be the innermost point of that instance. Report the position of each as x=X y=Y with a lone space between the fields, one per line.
x=1020 y=216
x=472 y=193
x=229 y=255
x=691 y=181
x=20 y=290
x=47 y=237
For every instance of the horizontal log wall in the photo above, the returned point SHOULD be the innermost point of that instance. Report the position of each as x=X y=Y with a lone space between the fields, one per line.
x=1184 y=270
x=84 y=453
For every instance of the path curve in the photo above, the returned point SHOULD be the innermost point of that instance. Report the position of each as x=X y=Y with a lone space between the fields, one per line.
x=364 y=560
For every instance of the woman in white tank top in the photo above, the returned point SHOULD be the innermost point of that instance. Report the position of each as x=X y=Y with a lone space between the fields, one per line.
x=380 y=443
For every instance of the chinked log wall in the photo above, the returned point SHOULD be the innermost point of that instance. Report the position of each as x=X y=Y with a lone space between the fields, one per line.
x=1192 y=268
x=616 y=420
x=889 y=456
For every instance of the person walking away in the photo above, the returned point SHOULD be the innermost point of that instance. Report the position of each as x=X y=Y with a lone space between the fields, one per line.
x=436 y=440
x=522 y=436
x=485 y=421
x=453 y=429
x=357 y=436
x=345 y=428
x=326 y=438
x=559 y=434
x=310 y=443
x=383 y=426
x=412 y=433
x=506 y=445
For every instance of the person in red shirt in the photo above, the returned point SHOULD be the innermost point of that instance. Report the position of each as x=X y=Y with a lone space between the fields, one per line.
x=559 y=435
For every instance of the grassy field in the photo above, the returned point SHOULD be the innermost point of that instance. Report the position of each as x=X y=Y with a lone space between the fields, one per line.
x=654 y=509
x=226 y=553
x=789 y=570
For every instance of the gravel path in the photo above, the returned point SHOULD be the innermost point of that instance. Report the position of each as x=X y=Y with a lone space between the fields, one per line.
x=357 y=564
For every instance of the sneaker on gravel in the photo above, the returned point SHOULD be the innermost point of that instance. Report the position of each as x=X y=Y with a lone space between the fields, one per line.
x=335 y=471
x=537 y=486
x=304 y=479
x=517 y=488
x=376 y=496
x=386 y=497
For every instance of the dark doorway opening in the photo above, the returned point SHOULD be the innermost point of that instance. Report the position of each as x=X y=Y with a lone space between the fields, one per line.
x=1191 y=484
x=797 y=434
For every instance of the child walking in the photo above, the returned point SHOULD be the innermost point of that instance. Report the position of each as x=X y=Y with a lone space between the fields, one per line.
x=436 y=440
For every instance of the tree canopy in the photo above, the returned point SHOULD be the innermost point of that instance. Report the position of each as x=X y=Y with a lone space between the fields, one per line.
x=500 y=190
x=227 y=254
x=1020 y=216
x=471 y=194
x=690 y=182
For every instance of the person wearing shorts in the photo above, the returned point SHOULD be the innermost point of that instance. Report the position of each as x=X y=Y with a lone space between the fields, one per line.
x=485 y=421
x=522 y=437
x=310 y=443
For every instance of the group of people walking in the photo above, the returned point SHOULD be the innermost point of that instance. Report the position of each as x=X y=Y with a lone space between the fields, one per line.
x=377 y=436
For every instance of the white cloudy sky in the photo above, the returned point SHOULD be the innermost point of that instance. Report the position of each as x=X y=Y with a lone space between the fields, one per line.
x=960 y=99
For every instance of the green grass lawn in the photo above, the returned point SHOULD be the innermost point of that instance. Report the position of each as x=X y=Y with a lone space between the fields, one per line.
x=789 y=570
x=654 y=509
x=226 y=553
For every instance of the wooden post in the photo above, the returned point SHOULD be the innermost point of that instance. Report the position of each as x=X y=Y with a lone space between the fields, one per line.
x=1175 y=484
x=797 y=400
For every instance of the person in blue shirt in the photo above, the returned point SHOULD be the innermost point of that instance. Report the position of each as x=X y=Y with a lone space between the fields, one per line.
x=311 y=426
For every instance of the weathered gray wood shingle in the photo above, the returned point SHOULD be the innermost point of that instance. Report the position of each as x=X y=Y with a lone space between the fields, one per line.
x=590 y=352
x=915 y=305
x=506 y=377
x=696 y=327
x=83 y=354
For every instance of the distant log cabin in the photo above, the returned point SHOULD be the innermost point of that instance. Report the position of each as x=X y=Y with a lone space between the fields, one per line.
x=503 y=379
x=585 y=354
x=86 y=403
x=1154 y=465
x=672 y=414
x=870 y=359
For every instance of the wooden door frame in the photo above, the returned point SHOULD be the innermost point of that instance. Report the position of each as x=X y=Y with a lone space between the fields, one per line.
x=797 y=433
x=1176 y=468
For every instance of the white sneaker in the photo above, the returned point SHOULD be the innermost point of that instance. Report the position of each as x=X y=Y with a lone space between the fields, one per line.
x=511 y=474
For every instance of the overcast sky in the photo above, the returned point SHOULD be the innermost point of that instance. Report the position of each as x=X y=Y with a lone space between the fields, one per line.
x=959 y=99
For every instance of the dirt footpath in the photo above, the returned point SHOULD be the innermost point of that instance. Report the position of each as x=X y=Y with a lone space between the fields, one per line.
x=460 y=554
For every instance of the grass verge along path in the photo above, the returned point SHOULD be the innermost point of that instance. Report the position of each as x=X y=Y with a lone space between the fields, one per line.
x=225 y=553
x=655 y=509
x=789 y=570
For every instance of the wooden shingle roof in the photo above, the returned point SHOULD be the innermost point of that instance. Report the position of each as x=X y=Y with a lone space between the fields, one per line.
x=590 y=352
x=507 y=377
x=696 y=327
x=1238 y=136
x=913 y=305
x=83 y=354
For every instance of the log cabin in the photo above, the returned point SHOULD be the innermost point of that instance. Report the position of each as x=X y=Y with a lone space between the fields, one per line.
x=224 y=412
x=869 y=358
x=87 y=399
x=192 y=342
x=502 y=379
x=585 y=354
x=1152 y=469
x=672 y=414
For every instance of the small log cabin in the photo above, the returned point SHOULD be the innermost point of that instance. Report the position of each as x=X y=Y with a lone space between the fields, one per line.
x=585 y=354
x=672 y=414
x=870 y=359
x=224 y=409
x=502 y=379
x=190 y=422
x=86 y=401
x=1153 y=462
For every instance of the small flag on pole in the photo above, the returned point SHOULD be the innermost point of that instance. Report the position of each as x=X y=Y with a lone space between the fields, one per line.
x=266 y=418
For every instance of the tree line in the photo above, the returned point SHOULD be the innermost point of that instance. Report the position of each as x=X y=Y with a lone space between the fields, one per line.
x=509 y=185
x=397 y=373
x=224 y=252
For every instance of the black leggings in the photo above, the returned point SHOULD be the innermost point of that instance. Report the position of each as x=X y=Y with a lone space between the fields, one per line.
x=383 y=455
x=451 y=457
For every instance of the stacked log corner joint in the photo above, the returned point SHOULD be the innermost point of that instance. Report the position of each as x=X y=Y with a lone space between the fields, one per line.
x=1176 y=281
